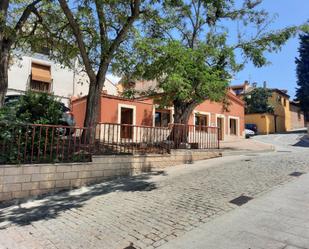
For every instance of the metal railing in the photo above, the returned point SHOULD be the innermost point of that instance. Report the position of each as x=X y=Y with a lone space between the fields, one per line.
x=37 y=143
x=113 y=138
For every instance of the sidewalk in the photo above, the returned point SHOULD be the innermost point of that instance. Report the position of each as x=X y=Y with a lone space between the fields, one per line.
x=243 y=146
x=278 y=220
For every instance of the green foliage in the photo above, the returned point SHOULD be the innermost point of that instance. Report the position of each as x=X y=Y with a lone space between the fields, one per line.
x=257 y=101
x=183 y=74
x=17 y=137
x=302 y=71
x=33 y=108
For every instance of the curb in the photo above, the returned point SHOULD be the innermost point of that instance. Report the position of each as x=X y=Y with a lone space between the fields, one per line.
x=246 y=152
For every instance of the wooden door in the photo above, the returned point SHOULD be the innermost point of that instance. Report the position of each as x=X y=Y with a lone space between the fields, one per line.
x=221 y=128
x=126 y=121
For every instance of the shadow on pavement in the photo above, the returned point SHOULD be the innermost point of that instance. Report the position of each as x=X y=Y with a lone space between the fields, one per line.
x=50 y=206
x=303 y=142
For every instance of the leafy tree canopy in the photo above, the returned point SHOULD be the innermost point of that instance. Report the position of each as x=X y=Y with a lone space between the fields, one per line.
x=94 y=31
x=257 y=101
x=196 y=47
x=302 y=70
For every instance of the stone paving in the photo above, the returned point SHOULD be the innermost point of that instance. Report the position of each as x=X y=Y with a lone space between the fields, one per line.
x=149 y=210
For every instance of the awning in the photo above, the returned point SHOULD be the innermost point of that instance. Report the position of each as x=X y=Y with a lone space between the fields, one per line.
x=41 y=72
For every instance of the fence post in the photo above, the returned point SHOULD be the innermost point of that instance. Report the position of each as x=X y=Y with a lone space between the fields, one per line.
x=218 y=136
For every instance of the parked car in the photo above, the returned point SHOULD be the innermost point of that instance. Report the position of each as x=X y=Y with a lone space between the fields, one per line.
x=249 y=133
x=252 y=127
x=67 y=118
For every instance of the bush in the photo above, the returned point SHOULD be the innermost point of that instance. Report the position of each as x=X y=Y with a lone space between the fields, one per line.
x=32 y=108
x=15 y=136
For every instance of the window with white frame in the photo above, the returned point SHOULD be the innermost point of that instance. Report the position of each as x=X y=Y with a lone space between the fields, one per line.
x=162 y=118
x=201 y=122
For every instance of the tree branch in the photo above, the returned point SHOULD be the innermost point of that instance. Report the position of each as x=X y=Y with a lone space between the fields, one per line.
x=25 y=15
x=22 y=20
x=102 y=24
x=106 y=57
x=79 y=38
x=135 y=12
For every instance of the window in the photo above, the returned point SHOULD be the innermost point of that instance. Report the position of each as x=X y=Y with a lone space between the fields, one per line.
x=279 y=98
x=39 y=86
x=162 y=118
x=201 y=122
x=40 y=78
x=233 y=126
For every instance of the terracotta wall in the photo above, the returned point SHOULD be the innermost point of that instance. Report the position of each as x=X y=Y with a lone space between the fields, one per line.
x=78 y=108
x=108 y=110
x=235 y=109
x=110 y=107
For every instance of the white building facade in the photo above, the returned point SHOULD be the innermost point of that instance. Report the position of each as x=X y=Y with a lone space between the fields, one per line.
x=38 y=73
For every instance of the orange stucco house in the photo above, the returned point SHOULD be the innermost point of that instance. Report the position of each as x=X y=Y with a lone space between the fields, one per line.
x=144 y=112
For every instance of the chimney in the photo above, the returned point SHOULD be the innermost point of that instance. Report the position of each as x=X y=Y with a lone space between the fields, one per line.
x=254 y=84
x=264 y=84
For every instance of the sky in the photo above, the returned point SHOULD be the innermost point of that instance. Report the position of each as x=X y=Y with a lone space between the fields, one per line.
x=281 y=73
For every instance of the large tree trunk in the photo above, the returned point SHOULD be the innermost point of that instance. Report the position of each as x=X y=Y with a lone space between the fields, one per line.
x=4 y=64
x=93 y=100
x=179 y=132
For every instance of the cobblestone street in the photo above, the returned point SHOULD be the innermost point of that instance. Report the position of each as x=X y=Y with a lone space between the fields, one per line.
x=151 y=209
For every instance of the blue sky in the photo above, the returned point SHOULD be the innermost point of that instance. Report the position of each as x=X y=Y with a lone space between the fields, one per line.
x=281 y=73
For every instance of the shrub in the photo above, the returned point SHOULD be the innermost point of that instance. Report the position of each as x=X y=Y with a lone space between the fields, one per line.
x=15 y=136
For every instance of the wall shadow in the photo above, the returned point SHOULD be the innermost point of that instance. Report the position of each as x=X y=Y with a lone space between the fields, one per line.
x=51 y=205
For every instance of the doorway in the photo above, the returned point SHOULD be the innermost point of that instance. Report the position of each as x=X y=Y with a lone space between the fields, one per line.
x=126 y=121
x=233 y=127
x=220 y=125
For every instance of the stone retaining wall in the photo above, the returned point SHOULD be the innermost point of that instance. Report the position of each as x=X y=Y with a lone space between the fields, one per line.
x=22 y=181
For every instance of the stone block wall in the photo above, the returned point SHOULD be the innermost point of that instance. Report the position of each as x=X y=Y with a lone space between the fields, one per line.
x=22 y=181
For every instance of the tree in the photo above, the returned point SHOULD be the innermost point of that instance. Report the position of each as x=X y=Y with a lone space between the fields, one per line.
x=257 y=101
x=18 y=23
x=101 y=29
x=302 y=70
x=194 y=50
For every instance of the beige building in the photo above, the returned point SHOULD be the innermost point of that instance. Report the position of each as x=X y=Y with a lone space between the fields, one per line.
x=297 y=116
x=287 y=115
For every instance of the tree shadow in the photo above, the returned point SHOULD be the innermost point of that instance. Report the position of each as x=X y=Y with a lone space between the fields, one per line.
x=51 y=205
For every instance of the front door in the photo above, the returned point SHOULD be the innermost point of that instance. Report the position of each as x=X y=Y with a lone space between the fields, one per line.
x=126 y=123
x=220 y=126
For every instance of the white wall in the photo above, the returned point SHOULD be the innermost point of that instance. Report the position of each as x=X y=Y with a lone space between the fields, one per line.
x=65 y=82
